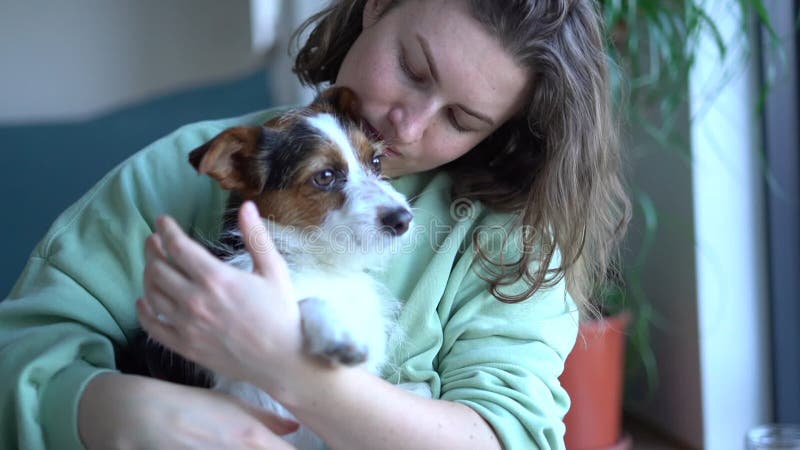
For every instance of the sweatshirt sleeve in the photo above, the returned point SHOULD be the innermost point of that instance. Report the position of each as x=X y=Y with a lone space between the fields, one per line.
x=503 y=360
x=75 y=298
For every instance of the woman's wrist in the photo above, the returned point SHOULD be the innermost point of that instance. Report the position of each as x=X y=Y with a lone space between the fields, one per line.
x=297 y=379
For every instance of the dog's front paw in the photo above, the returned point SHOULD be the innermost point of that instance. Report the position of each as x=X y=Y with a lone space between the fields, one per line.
x=345 y=351
x=328 y=336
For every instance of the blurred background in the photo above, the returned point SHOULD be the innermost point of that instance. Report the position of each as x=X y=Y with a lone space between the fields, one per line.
x=85 y=84
x=708 y=96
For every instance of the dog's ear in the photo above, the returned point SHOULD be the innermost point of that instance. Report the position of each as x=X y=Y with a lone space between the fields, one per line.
x=234 y=159
x=339 y=101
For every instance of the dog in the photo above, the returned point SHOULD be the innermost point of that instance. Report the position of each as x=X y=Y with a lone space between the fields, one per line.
x=315 y=175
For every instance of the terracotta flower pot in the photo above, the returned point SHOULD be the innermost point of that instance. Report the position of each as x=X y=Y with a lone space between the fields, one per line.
x=593 y=377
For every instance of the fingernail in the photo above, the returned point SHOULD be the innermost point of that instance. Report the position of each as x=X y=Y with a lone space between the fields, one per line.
x=162 y=224
x=251 y=210
x=291 y=427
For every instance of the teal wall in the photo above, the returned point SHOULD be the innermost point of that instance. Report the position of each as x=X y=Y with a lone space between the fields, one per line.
x=44 y=168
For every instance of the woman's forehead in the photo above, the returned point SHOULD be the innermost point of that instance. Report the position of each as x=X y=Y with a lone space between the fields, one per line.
x=471 y=63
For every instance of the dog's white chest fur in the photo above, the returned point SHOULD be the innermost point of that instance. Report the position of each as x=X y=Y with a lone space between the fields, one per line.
x=347 y=318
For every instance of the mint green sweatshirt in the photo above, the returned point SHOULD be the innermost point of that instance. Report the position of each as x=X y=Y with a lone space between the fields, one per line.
x=75 y=299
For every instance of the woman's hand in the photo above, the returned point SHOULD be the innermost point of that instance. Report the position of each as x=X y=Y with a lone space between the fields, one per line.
x=125 y=411
x=234 y=322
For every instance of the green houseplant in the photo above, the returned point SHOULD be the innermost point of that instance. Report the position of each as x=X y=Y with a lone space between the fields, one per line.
x=652 y=47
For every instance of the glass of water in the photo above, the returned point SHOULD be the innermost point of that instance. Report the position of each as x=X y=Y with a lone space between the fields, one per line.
x=775 y=436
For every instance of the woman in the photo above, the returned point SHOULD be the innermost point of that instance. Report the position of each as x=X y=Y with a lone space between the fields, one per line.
x=499 y=106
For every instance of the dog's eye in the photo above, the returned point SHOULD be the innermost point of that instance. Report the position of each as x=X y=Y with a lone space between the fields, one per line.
x=324 y=179
x=376 y=163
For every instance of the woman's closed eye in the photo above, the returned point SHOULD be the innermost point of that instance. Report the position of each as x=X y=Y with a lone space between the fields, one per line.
x=451 y=116
x=414 y=76
x=407 y=70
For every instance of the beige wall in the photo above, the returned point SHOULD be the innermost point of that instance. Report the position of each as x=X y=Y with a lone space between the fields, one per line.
x=75 y=59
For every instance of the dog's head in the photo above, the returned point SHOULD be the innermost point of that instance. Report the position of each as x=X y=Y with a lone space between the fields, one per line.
x=311 y=169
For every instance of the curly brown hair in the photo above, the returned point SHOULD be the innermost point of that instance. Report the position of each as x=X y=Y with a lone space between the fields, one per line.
x=557 y=164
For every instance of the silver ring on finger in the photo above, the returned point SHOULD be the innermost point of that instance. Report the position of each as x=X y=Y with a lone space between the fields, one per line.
x=163 y=319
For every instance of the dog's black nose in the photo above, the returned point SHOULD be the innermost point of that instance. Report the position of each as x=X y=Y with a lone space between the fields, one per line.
x=396 y=221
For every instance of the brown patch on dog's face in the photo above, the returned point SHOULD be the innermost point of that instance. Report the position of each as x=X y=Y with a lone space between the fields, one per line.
x=304 y=203
x=301 y=208
x=338 y=101
x=368 y=152
x=299 y=200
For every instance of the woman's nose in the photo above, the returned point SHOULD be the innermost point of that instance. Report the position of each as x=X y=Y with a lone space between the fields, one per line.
x=411 y=118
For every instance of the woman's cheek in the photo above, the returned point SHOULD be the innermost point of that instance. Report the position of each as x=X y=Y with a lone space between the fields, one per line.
x=455 y=149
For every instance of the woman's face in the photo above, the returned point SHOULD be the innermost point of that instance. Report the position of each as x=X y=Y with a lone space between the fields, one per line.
x=432 y=82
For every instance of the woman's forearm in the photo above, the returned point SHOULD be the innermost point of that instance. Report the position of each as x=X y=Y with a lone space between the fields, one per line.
x=352 y=409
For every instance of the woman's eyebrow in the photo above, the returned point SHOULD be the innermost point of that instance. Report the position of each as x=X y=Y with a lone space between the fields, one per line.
x=426 y=50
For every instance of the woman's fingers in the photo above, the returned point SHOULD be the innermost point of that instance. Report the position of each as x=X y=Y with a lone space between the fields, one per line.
x=163 y=308
x=219 y=316
x=158 y=328
x=279 y=425
x=154 y=249
x=266 y=259
x=161 y=276
x=183 y=252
